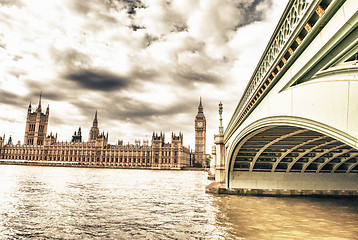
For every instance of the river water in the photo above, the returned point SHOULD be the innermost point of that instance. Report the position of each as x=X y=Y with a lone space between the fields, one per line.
x=85 y=203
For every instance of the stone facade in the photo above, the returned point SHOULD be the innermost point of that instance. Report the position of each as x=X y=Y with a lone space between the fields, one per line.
x=96 y=152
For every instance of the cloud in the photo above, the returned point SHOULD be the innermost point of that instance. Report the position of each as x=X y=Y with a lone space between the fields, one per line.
x=188 y=77
x=70 y=58
x=10 y=3
x=11 y=99
x=252 y=11
x=99 y=80
x=17 y=72
x=3 y=45
x=130 y=5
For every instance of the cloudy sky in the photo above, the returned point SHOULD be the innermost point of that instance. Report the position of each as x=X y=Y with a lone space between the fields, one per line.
x=143 y=64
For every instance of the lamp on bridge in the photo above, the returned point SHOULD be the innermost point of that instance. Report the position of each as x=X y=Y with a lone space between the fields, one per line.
x=221 y=128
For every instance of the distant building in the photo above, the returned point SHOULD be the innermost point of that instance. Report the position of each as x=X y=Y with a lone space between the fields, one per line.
x=200 y=136
x=39 y=148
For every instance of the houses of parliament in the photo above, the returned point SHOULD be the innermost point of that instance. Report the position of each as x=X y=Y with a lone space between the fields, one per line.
x=43 y=149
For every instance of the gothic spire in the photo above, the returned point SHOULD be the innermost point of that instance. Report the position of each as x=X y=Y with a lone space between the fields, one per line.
x=95 y=121
x=39 y=106
x=200 y=108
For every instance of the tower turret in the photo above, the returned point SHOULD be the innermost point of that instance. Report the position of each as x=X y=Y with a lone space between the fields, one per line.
x=36 y=125
x=77 y=136
x=94 y=132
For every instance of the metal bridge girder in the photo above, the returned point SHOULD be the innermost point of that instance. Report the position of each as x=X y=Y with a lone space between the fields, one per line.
x=331 y=158
x=252 y=164
x=351 y=167
x=319 y=155
x=308 y=151
x=343 y=161
x=294 y=148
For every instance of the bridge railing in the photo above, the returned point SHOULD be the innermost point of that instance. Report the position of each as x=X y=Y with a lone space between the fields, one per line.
x=299 y=20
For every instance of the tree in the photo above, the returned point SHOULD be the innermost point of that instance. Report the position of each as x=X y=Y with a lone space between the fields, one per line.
x=197 y=165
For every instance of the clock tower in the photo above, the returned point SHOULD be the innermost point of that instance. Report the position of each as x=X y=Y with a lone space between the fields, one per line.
x=200 y=136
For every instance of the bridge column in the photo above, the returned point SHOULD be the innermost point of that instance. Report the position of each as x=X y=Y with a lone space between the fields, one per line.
x=220 y=158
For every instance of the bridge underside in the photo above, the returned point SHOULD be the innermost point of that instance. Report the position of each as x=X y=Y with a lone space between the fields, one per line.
x=294 y=149
x=292 y=160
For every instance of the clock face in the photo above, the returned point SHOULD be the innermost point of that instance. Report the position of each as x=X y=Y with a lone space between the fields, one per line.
x=200 y=124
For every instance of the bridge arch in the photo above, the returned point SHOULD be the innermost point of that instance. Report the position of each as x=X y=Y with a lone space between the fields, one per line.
x=292 y=145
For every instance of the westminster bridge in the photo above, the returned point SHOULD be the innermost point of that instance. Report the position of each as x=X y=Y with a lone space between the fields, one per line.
x=295 y=129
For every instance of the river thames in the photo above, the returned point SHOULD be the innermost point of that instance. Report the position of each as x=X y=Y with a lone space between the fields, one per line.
x=85 y=203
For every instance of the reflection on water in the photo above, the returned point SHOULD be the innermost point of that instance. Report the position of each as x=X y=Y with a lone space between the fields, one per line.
x=71 y=203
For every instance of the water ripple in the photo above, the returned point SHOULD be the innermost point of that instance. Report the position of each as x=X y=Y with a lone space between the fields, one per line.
x=70 y=203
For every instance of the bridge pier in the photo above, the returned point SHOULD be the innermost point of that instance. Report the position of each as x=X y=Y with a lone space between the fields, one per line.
x=218 y=185
x=220 y=158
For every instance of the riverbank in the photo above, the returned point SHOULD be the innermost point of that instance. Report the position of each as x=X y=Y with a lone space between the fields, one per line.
x=77 y=165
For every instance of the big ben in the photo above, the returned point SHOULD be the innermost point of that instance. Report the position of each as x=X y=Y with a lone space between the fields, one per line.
x=200 y=135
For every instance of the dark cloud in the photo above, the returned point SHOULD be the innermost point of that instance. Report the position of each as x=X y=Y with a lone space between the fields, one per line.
x=100 y=80
x=76 y=67
x=130 y=5
x=250 y=13
x=136 y=27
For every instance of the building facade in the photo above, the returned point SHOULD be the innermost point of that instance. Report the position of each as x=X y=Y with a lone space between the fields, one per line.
x=200 y=136
x=97 y=152
x=36 y=125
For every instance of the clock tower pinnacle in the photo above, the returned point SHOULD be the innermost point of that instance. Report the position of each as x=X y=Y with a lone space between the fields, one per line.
x=200 y=135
